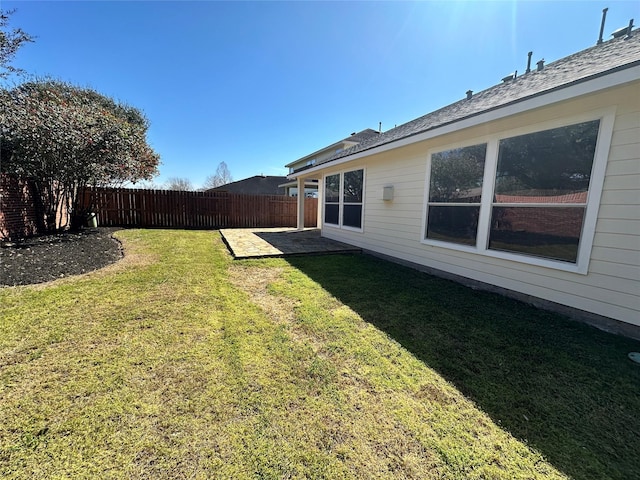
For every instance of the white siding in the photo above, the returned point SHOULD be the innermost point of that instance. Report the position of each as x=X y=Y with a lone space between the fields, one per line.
x=611 y=287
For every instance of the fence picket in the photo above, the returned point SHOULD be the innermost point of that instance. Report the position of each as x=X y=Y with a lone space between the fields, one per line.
x=174 y=209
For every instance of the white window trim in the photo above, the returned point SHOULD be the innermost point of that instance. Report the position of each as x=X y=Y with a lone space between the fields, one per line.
x=324 y=200
x=430 y=241
x=341 y=203
x=601 y=155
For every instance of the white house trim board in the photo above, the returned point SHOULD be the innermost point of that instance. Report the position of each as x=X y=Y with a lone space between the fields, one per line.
x=485 y=202
x=603 y=146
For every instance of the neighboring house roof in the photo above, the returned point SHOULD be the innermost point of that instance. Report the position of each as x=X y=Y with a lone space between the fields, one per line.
x=256 y=185
x=608 y=57
x=347 y=142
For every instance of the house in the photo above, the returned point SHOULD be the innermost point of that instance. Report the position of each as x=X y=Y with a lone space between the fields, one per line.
x=311 y=186
x=256 y=185
x=21 y=210
x=530 y=188
x=19 y=217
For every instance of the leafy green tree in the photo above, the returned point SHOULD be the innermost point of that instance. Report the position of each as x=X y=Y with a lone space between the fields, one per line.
x=10 y=42
x=64 y=137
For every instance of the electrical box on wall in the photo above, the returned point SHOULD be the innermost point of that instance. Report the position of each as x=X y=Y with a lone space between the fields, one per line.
x=387 y=193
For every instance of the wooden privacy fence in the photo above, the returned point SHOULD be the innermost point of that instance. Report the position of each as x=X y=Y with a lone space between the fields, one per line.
x=125 y=207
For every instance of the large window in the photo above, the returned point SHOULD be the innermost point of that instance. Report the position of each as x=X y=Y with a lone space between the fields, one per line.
x=332 y=199
x=343 y=199
x=541 y=188
x=523 y=195
x=455 y=189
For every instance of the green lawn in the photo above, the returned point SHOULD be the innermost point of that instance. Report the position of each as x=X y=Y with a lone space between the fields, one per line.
x=179 y=363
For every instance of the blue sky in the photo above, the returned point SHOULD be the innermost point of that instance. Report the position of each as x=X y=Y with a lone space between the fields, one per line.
x=260 y=84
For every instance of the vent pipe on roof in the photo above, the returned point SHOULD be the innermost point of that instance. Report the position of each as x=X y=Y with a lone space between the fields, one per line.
x=511 y=76
x=529 y=62
x=469 y=94
x=379 y=127
x=624 y=30
x=540 y=65
x=629 y=30
x=604 y=17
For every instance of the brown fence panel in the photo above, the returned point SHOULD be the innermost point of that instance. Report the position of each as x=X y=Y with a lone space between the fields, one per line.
x=174 y=209
x=310 y=212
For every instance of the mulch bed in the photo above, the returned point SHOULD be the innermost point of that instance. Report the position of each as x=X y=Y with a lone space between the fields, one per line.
x=46 y=258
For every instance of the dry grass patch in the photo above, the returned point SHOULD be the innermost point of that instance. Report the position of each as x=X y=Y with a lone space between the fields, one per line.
x=390 y=416
x=184 y=364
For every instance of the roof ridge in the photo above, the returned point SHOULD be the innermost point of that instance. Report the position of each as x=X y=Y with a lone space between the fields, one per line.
x=601 y=59
x=604 y=44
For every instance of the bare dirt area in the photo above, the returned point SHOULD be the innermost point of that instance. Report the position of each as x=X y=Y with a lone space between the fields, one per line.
x=45 y=258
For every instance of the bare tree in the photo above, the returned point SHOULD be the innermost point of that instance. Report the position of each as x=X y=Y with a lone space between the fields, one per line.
x=221 y=177
x=176 y=183
x=10 y=42
x=147 y=185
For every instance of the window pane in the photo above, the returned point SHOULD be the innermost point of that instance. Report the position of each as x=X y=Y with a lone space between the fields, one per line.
x=544 y=232
x=353 y=186
x=456 y=175
x=453 y=224
x=331 y=213
x=352 y=216
x=553 y=163
x=332 y=188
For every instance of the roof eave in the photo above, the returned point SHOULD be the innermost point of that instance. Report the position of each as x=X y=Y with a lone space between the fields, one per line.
x=611 y=78
x=307 y=183
x=317 y=152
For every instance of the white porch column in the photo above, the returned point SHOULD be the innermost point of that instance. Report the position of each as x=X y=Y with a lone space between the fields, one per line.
x=320 y=202
x=300 y=203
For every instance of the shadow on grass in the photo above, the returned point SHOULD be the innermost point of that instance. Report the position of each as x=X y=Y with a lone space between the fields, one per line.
x=292 y=242
x=566 y=389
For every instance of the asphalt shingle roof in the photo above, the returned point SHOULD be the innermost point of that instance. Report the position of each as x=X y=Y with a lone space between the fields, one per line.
x=615 y=54
x=256 y=185
x=361 y=136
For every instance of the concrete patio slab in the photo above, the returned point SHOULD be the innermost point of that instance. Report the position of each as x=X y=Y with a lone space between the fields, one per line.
x=280 y=242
